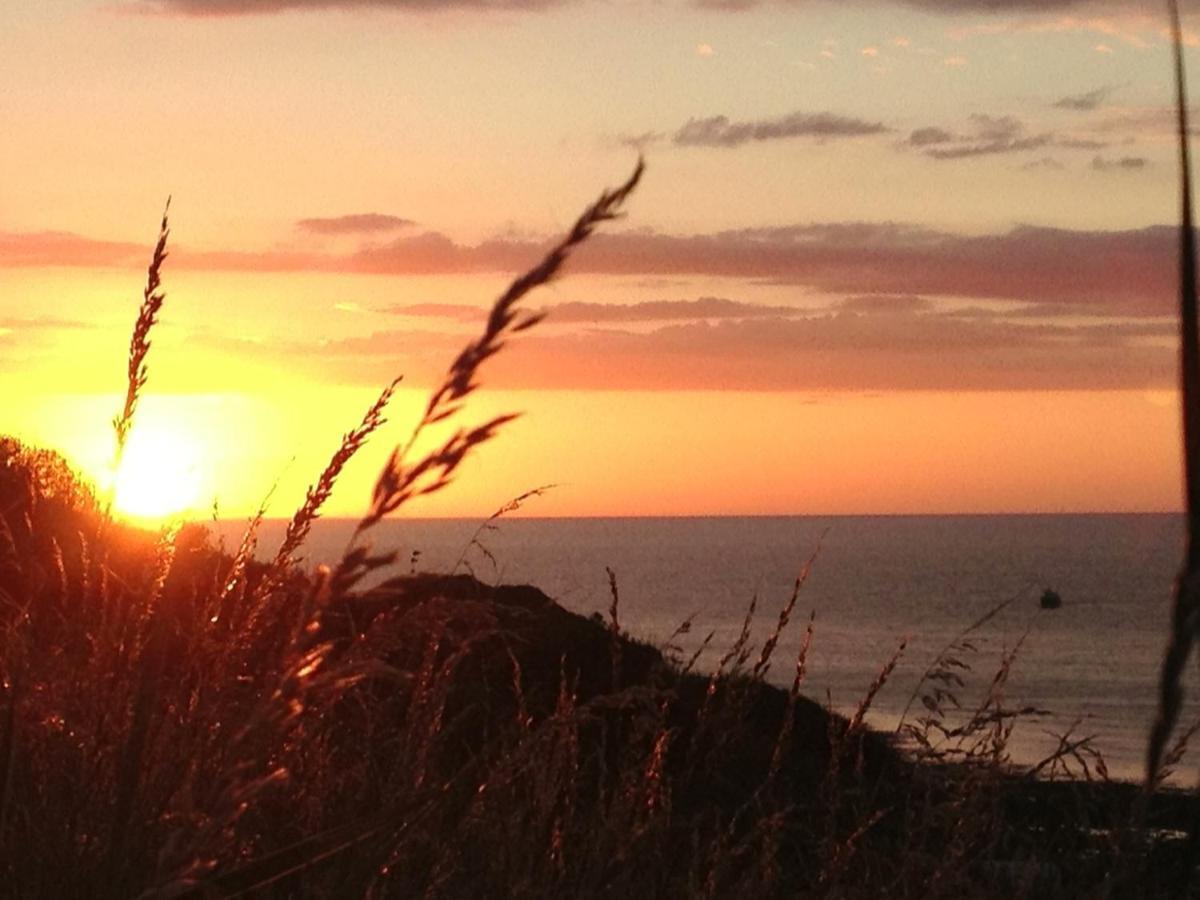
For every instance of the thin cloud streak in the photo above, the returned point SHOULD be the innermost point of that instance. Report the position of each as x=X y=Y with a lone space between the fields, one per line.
x=1123 y=164
x=576 y=312
x=213 y=8
x=62 y=248
x=991 y=135
x=1086 y=102
x=720 y=131
x=951 y=6
x=355 y=223
x=913 y=349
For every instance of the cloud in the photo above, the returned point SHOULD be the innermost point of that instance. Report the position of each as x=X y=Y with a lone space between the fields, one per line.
x=904 y=346
x=24 y=339
x=925 y=137
x=703 y=49
x=946 y=6
x=1131 y=123
x=37 y=324
x=719 y=131
x=885 y=303
x=990 y=135
x=1131 y=271
x=1056 y=8
x=640 y=141
x=356 y=223
x=1045 y=162
x=62 y=248
x=264 y=7
x=997 y=6
x=576 y=312
x=1086 y=102
x=1081 y=143
x=1123 y=164
x=459 y=312
x=663 y=311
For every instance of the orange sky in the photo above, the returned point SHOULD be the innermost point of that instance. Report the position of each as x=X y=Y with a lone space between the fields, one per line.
x=912 y=261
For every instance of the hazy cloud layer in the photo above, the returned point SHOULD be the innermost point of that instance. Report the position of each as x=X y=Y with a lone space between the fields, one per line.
x=42 y=323
x=1123 y=164
x=213 y=8
x=885 y=303
x=1076 y=143
x=263 y=7
x=720 y=131
x=989 y=135
x=60 y=248
x=956 y=6
x=1085 y=102
x=930 y=136
x=355 y=223
x=1132 y=272
x=894 y=348
x=580 y=312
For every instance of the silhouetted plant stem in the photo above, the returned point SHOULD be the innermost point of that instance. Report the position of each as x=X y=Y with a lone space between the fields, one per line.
x=318 y=493
x=1187 y=586
x=400 y=482
x=139 y=345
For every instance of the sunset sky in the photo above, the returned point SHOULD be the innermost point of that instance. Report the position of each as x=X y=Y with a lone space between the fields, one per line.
x=887 y=257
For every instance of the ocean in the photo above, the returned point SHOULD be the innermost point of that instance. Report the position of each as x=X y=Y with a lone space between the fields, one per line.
x=1092 y=664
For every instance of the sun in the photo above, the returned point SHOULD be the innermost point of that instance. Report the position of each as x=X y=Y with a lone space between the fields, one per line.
x=160 y=473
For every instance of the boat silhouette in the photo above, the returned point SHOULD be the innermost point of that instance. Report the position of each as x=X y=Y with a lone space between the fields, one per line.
x=1050 y=599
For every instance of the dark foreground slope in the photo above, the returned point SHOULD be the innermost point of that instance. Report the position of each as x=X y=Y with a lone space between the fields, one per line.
x=176 y=722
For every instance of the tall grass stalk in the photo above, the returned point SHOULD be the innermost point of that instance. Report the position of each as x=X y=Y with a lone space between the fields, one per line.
x=139 y=344
x=399 y=482
x=319 y=492
x=1185 y=617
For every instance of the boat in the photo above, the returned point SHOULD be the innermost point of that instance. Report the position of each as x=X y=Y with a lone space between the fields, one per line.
x=1051 y=599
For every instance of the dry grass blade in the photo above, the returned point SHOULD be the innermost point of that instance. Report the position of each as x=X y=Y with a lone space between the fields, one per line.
x=319 y=493
x=785 y=615
x=1174 y=756
x=614 y=608
x=489 y=524
x=139 y=344
x=881 y=679
x=802 y=656
x=235 y=579
x=1187 y=587
x=614 y=625
x=947 y=658
x=398 y=482
x=1072 y=749
x=504 y=320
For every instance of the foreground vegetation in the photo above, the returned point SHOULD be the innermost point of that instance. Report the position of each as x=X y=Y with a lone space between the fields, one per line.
x=176 y=720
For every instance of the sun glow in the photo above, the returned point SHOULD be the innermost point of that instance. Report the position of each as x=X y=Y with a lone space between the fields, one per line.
x=160 y=473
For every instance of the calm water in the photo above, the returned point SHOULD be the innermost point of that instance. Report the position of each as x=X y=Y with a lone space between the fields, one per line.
x=876 y=581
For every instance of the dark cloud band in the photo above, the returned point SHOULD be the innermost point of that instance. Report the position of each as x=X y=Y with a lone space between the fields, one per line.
x=720 y=131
